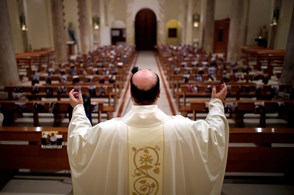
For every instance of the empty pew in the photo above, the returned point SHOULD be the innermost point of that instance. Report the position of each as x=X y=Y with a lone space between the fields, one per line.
x=261 y=150
x=270 y=59
x=22 y=149
x=251 y=150
x=35 y=57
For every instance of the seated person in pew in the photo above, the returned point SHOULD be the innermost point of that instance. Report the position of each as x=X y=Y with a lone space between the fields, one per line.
x=147 y=149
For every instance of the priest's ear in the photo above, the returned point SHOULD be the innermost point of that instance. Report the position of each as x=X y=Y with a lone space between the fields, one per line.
x=158 y=94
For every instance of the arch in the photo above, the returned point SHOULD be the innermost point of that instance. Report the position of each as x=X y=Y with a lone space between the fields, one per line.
x=153 y=5
x=173 y=32
x=145 y=29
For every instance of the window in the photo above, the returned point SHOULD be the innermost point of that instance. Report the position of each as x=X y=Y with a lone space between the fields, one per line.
x=172 y=32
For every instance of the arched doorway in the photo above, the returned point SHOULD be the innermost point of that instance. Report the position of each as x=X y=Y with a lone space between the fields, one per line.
x=145 y=30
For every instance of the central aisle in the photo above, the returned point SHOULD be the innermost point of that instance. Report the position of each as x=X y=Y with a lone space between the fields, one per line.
x=146 y=59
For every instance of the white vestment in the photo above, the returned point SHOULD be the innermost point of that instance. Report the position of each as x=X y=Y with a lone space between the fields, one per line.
x=195 y=152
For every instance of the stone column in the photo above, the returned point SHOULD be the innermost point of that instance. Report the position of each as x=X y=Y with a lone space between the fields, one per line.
x=236 y=32
x=287 y=76
x=208 y=29
x=189 y=24
x=59 y=35
x=202 y=23
x=95 y=13
x=104 y=28
x=130 y=30
x=161 y=22
x=8 y=67
x=84 y=26
x=273 y=29
x=24 y=36
x=102 y=12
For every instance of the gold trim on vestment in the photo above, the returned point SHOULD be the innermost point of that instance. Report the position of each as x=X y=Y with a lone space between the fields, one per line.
x=145 y=160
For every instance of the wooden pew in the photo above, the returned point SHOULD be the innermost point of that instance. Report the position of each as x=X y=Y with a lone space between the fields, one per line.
x=261 y=150
x=245 y=52
x=15 y=109
x=35 y=57
x=58 y=91
x=238 y=108
x=264 y=59
x=77 y=78
x=21 y=148
x=249 y=54
x=195 y=90
x=251 y=150
x=12 y=110
x=270 y=58
x=202 y=90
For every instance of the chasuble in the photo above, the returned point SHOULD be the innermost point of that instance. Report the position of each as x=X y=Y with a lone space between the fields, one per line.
x=148 y=152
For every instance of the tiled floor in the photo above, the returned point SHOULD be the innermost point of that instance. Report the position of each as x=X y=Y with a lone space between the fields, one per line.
x=41 y=185
x=38 y=185
x=46 y=184
x=257 y=189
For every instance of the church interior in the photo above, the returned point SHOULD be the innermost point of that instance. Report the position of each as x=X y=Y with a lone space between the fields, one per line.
x=48 y=47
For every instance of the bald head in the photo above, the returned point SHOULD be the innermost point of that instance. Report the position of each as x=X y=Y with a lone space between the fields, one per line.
x=145 y=87
x=144 y=79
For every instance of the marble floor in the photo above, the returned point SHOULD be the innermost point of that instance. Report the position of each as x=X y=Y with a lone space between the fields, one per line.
x=43 y=185
x=26 y=183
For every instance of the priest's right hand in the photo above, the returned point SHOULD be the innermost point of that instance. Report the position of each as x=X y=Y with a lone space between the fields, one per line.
x=75 y=98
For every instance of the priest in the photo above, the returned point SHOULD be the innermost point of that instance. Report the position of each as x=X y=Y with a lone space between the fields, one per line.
x=146 y=151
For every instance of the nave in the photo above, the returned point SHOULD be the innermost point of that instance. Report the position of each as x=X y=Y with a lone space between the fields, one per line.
x=47 y=184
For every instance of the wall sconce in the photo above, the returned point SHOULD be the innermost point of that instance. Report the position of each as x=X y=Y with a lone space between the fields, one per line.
x=23 y=24
x=275 y=18
x=196 y=20
x=96 y=22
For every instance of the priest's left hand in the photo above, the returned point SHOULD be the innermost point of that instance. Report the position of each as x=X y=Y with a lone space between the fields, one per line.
x=75 y=98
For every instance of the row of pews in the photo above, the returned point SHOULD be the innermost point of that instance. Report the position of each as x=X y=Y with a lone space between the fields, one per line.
x=40 y=104
x=100 y=75
x=110 y=92
x=38 y=109
x=34 y=60
x=55 y=110
x=270 y=60
x=35 y=57
x=262 y=150
x=192 y=74
x=254 y=150
x=103 y=57
x=237 y=109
